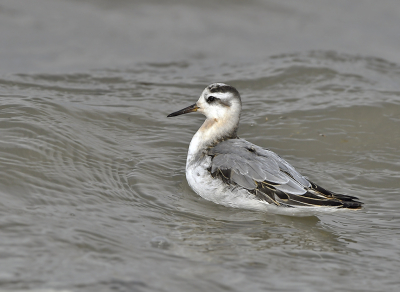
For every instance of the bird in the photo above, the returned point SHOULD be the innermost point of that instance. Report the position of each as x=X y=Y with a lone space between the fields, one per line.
x=230 y=171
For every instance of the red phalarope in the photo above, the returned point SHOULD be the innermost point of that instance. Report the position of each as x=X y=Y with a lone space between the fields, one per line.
x=230 y=171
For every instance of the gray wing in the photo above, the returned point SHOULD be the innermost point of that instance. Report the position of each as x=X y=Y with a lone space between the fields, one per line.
x=269 y=177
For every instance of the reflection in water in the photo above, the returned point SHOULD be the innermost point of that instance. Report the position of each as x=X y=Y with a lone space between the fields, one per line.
x=264 y=233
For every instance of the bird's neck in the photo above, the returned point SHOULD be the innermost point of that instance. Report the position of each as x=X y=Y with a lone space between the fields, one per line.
x=211 y=133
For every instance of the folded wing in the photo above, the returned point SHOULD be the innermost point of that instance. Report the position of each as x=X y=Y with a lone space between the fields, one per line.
x=269 y=177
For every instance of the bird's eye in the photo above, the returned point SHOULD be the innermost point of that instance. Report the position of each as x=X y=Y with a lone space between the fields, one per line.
x=211 y=98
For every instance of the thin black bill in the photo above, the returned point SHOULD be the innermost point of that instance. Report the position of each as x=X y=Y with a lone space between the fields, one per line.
x=189 y=109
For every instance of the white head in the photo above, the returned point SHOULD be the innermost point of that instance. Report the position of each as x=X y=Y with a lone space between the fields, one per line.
x=221 y=104
x=220 y=101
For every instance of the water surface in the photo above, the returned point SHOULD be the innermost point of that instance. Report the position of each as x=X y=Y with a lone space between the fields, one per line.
x=93 y=195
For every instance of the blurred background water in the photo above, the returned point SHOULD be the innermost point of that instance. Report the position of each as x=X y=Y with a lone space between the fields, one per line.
x=93 y=195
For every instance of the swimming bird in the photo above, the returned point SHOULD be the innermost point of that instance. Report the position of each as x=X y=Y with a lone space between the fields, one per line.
x=233 y=172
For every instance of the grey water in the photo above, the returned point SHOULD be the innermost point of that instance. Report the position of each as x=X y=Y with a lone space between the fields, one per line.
x=93 y=195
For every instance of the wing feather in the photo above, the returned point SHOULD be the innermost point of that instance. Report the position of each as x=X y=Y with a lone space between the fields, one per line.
x=269 y=177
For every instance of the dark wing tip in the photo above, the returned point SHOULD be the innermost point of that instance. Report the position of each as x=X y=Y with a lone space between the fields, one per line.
x=346 y=202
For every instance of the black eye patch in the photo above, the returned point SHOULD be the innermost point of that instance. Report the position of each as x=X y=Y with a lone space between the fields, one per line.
x=211 y=99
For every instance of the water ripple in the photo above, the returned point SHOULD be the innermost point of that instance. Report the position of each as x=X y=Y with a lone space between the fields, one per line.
x=92 y=174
